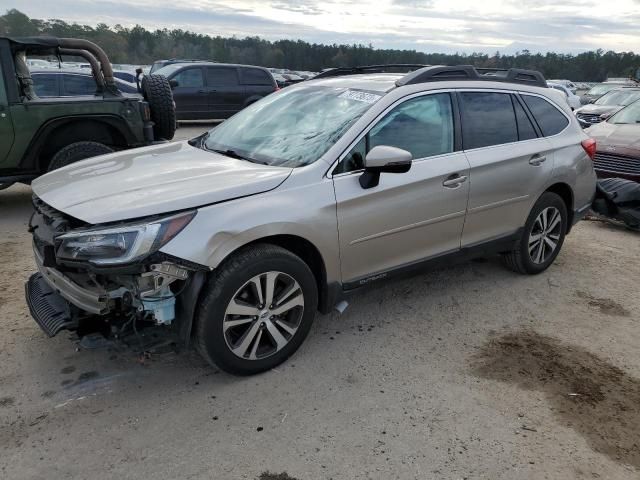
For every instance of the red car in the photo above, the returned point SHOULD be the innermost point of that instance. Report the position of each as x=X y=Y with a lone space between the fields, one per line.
x=618 y=144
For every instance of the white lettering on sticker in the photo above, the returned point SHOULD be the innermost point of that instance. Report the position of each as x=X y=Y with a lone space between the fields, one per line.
x=360 y=96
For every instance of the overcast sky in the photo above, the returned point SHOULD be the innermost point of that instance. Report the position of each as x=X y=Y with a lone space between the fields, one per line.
x=425 y=25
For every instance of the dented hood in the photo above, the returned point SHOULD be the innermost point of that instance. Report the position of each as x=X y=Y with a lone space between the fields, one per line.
x=152 y=180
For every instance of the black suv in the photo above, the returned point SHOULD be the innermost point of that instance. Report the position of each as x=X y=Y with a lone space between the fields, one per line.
x=215 y=91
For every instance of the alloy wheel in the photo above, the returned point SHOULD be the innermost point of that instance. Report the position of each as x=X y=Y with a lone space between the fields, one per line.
x=263 y=315
x=545 y=235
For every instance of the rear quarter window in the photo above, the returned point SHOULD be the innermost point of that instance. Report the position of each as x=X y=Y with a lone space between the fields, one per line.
x=550 y=120
x=78 y=85
x=254 y=76
x=45 y=85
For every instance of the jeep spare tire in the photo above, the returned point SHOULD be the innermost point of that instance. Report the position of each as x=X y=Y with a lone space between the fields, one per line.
x=76 y=152
x=157 y=92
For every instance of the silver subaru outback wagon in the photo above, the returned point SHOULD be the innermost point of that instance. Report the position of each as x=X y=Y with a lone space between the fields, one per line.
x=233 y=240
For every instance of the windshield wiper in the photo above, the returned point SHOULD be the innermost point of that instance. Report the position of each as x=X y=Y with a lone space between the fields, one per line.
x=234 y=154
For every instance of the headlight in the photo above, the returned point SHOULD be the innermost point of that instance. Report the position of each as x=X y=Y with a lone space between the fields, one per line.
x=123 y=244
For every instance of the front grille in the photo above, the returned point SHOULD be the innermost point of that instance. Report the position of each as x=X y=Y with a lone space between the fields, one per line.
x=611 y=162
x=589 y=117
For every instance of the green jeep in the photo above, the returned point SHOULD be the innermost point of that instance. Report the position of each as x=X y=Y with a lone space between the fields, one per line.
x=38 y=135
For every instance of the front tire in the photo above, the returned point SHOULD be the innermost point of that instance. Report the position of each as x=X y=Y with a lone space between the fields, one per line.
x=542 y=238
x=76 y=152
x=257 y=310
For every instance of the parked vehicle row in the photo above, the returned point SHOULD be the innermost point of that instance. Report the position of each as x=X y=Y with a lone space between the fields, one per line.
x=301 y=198
x=608 y=104
x=600 y=89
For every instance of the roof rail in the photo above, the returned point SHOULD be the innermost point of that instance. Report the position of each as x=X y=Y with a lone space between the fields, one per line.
x=469 y=72
x=389 y=68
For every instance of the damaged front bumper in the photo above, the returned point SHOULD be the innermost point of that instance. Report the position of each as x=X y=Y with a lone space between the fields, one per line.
x=142 y=287
x=59 y=302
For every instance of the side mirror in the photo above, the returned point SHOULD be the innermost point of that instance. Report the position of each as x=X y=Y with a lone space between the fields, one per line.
x=384 y=159
x=173 y=84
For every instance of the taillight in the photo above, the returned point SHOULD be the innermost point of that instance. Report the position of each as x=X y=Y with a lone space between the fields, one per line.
x=589 y=146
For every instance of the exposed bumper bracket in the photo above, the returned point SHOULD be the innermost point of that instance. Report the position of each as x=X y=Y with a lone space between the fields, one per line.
x=83 y=298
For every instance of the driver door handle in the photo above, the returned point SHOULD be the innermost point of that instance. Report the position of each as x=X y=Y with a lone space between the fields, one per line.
x=537 y=160
x=454 y=181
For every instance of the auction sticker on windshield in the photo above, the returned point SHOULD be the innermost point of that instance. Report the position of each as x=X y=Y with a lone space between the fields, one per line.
x=360 y=96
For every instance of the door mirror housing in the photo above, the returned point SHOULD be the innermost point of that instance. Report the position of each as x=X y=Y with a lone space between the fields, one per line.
x=384 y=159
x=173 y=84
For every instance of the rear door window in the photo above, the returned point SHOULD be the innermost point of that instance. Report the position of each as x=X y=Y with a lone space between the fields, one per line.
x=222 y=76
x=254 y=76
x=78 y=85
x=488 y=119
x=550 y=120
x=190 y=77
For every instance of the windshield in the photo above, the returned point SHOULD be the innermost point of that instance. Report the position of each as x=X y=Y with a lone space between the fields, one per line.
x=168 y=69
x=293 y=127
x=602 y=89
x=619 y=97
x=630 y=114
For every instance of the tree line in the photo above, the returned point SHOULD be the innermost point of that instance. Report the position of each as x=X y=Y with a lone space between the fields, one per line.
x=139 y=46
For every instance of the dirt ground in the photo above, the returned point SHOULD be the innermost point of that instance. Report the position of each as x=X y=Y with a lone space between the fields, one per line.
x=470 y=372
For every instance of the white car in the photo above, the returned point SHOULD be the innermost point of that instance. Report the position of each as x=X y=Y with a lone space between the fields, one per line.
x=567 y=83
x=572 y=99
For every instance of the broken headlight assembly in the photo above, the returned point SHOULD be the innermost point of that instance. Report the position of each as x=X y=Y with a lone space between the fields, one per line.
x=122 y=244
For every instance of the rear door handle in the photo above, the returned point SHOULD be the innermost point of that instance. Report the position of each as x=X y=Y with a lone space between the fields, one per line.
x=455 y=180
x=537 y=160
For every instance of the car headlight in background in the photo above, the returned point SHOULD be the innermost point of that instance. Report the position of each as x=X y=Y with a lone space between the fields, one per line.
x=117 y=245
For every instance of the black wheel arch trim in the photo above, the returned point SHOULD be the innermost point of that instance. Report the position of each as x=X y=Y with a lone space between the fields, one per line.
x=31 y=158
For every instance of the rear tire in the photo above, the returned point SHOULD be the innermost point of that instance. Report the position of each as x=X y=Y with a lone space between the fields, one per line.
x=269 y=324
x=76 y=152
x=542 y=238
x=157 y=92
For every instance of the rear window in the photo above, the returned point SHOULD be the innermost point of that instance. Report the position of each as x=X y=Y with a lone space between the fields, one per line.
x=254 y=76
x=549 y=118
x=487 y=119
x=222 y=76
